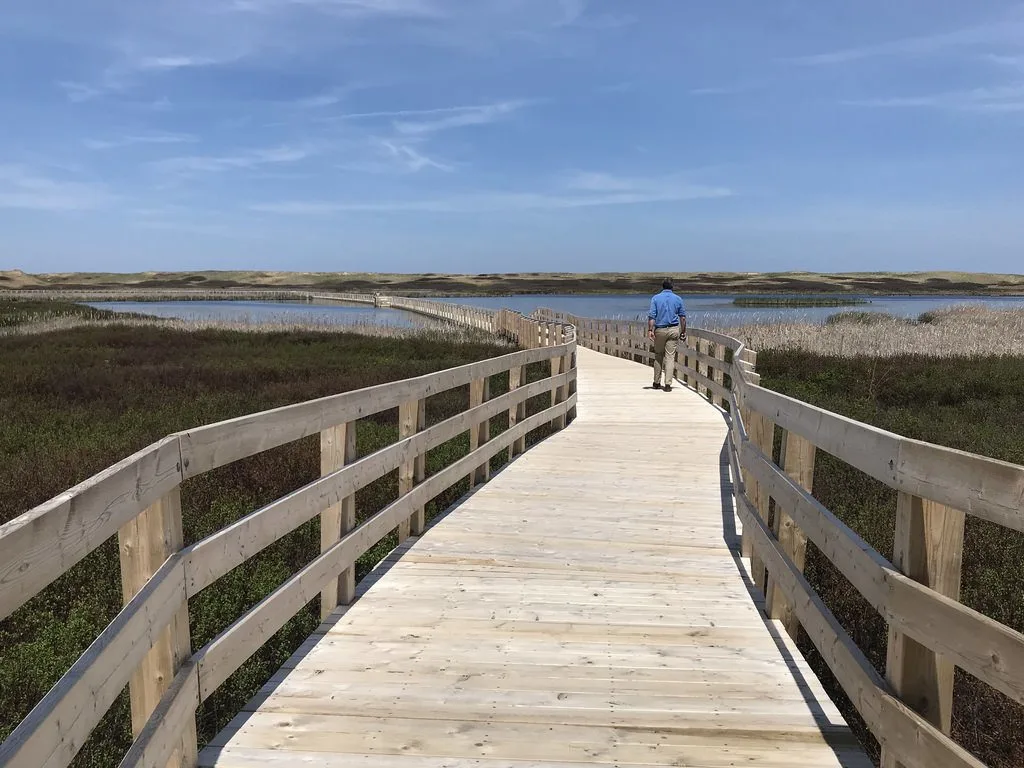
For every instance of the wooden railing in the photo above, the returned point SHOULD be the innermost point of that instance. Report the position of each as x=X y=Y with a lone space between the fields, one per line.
x=147 y=646
x=931 y=633
x=129 y=293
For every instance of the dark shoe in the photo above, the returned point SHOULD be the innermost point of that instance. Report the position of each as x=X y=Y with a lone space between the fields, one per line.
x=667 y=388
x=656 y=385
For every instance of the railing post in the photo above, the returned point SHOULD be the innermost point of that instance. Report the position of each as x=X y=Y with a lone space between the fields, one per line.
x=517 y=413
x=702 y=368
x=570 y=362
x=558 y=366
x=337 y=448
x=797 y=460
x=761 y=433
x=683 y=357
x=479 y=393
x=411 y=419
x=928 y=548
x=720 y=373
x=144 y=545
x=750 y=483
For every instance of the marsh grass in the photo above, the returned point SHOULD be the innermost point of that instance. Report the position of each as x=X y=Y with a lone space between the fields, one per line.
x=15 y=315
x=797 y=302
x=78 y=400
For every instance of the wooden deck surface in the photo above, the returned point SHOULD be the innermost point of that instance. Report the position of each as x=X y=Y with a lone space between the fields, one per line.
x=586 y=606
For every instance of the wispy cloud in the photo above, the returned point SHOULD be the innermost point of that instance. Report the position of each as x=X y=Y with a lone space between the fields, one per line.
x=1013 y=62
x=197 y=164
x=321 y=100
x=177 y=62
x=148 y=138
x=990 y=100
x=356 y=8
x=724 y=90
x=582 y=190
x=398 y=113
x=27 y=189
x=410 y=158
x=460 y=117
x=1006 y=31
x=79 y=92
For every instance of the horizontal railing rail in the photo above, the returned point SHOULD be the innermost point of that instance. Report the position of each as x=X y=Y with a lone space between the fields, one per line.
x=147 y=646
x=931 y=633
x=129 y=293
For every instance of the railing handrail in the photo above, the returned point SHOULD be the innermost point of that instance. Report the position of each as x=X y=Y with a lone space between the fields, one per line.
x=139 y=497
x=937 y=486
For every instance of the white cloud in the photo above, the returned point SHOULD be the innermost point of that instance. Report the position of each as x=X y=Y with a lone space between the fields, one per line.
x=591 y=181
x=323 y=100
x=149 y=138
x=190 y=165
x=1006 y=31
x=356 y=8
x=176 y=62
x=410 y=158
x=1013 y=62
x=79 y=92
x=584 y=190
x=991 y=100
x=460 y=117
x=725 y=90
x=30 y=190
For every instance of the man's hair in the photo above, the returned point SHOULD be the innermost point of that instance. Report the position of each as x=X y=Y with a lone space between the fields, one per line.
x=667 y=284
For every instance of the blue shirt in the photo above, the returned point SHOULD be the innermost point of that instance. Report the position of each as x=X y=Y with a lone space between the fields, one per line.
x=666 y=309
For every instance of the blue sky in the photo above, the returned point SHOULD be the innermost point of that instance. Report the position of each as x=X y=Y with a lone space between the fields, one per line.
x=507 y=135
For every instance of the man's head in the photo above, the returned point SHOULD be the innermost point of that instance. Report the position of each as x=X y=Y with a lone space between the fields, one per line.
x=666 y=284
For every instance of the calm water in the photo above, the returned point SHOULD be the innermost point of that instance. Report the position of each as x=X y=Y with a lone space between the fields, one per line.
x=268 y=312
x=719 y=311
x=709 y=311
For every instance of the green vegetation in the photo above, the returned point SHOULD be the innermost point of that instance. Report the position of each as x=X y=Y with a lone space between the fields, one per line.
x=855 y=317
x=796 y=302
x=18 y=313
x=430 y=284
x=78 y=400
x=968 y=403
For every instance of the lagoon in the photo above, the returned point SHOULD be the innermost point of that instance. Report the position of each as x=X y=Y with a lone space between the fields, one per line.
x=703 y=310
x=268 y=312
x=719 y=311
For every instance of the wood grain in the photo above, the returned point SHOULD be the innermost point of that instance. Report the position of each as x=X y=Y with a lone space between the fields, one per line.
x=337 y=449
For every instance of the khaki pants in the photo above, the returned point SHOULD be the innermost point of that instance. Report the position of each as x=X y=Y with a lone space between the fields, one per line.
x=665 y=341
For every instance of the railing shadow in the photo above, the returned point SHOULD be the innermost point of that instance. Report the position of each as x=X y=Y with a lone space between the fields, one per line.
x=835 y=733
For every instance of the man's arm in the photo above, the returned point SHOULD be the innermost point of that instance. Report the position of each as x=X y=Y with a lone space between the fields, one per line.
x=651 y=314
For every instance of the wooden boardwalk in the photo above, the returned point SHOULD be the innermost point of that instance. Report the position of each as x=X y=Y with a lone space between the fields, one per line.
x=588 y=605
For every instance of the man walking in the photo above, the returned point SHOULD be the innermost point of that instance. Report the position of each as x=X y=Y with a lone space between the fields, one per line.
x=666 y=324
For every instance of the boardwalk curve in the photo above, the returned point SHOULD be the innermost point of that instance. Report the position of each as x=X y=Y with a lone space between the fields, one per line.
x=588 y=605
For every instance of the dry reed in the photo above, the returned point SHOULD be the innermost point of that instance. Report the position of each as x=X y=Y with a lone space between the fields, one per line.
x=963 y=331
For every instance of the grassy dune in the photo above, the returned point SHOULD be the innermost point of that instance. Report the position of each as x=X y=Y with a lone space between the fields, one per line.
x=536 y=282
